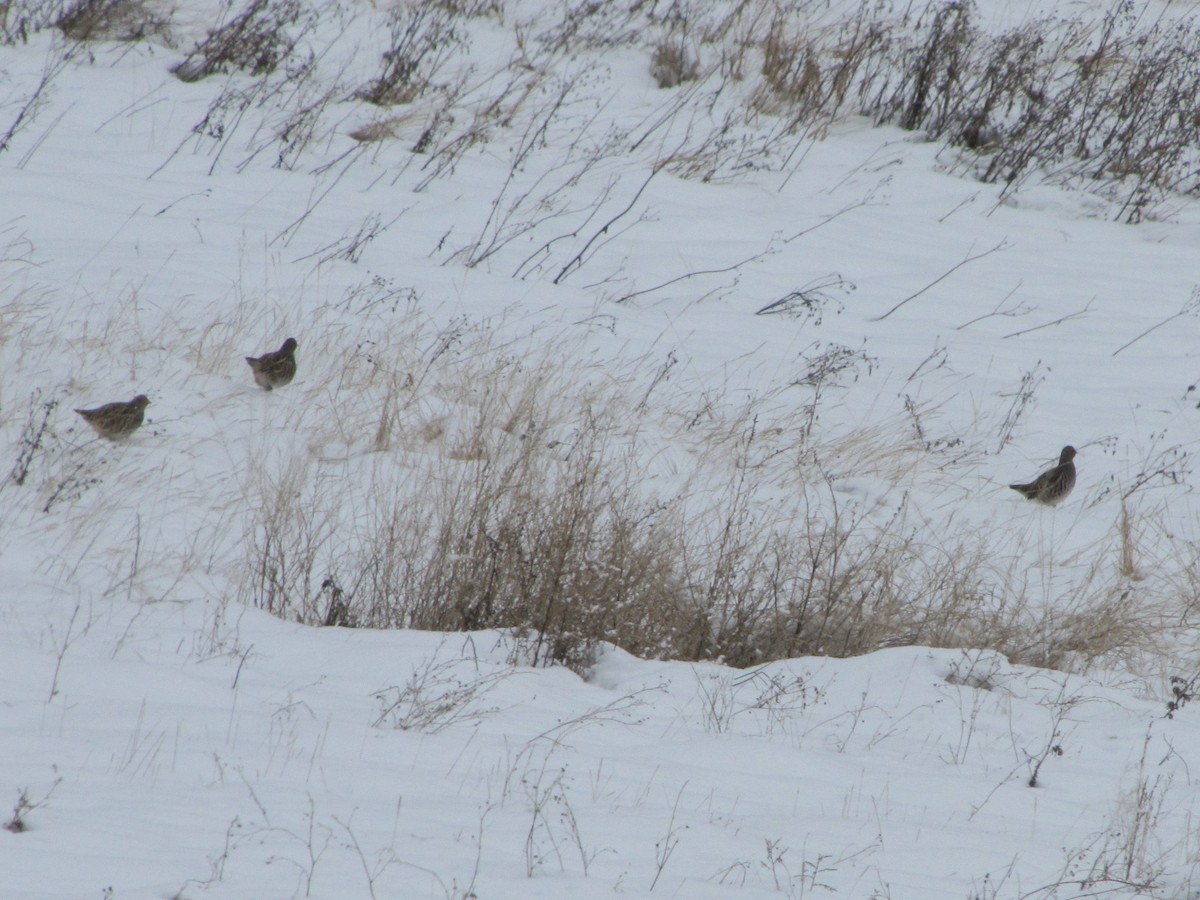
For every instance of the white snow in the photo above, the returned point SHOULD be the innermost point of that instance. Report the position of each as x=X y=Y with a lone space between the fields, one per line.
x=173 y=741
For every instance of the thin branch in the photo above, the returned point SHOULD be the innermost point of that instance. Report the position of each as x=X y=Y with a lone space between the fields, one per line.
x=36 y=100
x=1020 y=310
x=1189 y=308
x=968 y=259
x=1058 y=321
x=866 y=201
x=577 y=260
x=730 y=268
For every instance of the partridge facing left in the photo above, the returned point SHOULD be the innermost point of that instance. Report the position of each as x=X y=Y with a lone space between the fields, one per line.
x=275 y=369
x=1052 y=486
x=117 y=420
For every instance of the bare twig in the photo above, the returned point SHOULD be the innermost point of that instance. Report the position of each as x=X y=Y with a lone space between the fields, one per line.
x=730 y=268
x=1189 y=308
x=866 y=201
x=1058 y=321
x=36 y=100
x=1019 y=310
x=967 y=259
x=577 y=260
x=665 y=847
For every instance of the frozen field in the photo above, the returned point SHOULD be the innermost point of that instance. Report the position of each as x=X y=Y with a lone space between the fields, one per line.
x=757 y=344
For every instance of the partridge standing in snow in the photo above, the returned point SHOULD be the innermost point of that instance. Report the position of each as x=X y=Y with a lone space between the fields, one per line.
x=1052 y=486
x=272 y=370
x=117 y=420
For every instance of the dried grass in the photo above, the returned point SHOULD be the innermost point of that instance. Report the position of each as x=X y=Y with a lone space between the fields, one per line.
x=503 y=488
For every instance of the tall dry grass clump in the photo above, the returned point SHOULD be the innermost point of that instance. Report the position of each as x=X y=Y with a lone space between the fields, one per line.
x=21 y=19
x=1101 y=100
x=258 y=40
x=673 y=62
x=114 y=20
x=1085 y=101
x=423 y=39
x=514 y=489
x=497 y=499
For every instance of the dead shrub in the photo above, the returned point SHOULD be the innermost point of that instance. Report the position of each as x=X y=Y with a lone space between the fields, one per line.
x=471 y=9
x=565 y=549
x=1031 y=102
x=1107 y=103
x=592 y=25
x=1119 y=115
x=257 y=40
x=932 y=68
x=507 y=530
x=291 y=536
x=520 y=501
x=380 y=130
x=791 y=74
x=19 y=19
x=805 y=584
x=423 y=39
x=34 y=436
x=673 y=63
x=114 y=20
x=809 y=77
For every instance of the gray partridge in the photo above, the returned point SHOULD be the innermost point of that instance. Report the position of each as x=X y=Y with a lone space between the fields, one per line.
x=275 y=369
x=1052 y=486
x=117 y=420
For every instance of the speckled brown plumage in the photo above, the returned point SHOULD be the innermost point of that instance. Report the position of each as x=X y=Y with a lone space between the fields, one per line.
x=1052 y=486
x=117 y=420
x=275 y=369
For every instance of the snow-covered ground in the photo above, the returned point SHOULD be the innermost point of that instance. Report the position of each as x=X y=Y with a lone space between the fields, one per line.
x=162 y=737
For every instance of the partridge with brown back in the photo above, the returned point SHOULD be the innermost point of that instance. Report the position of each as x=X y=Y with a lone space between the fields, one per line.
x=275 y=369
x=1052 y=486
x=117 y=420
